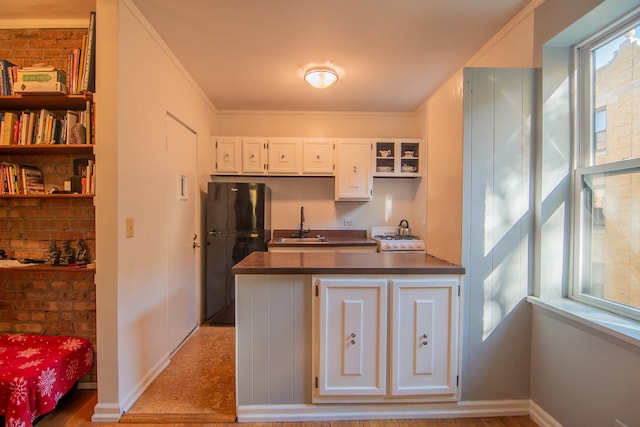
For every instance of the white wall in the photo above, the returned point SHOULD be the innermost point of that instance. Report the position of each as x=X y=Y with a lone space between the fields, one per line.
x=496 y=321
x=512 y=46
x=131 y=144
x=394 y=199
x=579 y=376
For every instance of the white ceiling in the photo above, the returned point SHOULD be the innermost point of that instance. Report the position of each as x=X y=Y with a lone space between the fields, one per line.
x=250 y=54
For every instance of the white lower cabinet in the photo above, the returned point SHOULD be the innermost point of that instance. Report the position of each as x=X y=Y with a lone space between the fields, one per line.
x=423 y=350
x=352 y=336
x=382 y=339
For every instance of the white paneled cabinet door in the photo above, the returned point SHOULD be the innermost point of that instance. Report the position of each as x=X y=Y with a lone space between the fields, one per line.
x=254 y=156
x=285 y=156
x=354 y=180
x=352 y=327
x=424 y=326
x=227 y=155
x=317 y=157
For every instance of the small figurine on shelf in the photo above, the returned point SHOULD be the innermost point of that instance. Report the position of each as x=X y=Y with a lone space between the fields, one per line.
x=66 y=255
x=53 y=254
x=83 y=252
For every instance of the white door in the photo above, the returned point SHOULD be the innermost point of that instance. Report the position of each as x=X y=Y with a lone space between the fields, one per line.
x=424 y=326
x=352 y=324
x=182 y=239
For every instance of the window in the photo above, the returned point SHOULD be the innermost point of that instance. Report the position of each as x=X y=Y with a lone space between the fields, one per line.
x=606 y=269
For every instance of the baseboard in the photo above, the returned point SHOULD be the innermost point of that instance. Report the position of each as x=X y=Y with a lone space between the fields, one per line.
x=332 y=412
x=106 y=413
x=542 y=417
x=145 y=382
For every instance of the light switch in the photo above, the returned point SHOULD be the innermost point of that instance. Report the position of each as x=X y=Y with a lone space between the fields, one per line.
x=129 y=227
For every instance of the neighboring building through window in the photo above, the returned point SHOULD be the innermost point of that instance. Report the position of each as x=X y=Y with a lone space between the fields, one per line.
x=607 y=180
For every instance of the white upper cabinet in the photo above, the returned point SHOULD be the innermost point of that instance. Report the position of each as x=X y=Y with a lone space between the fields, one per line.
x=317 y=157
x=354 y=180
x=227 y=155
x=254 y=156
x=285 y=156
x=399 y=158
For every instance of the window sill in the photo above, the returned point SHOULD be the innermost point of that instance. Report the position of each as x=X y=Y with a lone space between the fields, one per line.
x=592 y=319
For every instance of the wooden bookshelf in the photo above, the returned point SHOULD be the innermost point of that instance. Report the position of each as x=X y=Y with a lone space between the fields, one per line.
x=52 y=102
x=46 y=149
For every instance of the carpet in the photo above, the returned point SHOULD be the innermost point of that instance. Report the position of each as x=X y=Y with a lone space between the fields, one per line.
x=198 y=385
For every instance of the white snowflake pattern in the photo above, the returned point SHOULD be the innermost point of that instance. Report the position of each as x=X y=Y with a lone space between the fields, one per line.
x=46 y=380
x=18 y=390
x=34 y=414
x=30 y=364
x=3 y=349
x=29 y=352
x=16 y=337
x=72 y=369
x=88 y=358
x=71 y=344
x=58 y=396
x=16 y=423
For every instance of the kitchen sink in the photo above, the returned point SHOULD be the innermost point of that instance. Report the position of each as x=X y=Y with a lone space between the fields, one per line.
x=316 y=239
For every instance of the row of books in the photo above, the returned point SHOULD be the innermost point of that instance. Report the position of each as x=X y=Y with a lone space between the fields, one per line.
x=44 y=127
x=81 y=62
x=88 y=178
x=79 y=76
x=21 y=179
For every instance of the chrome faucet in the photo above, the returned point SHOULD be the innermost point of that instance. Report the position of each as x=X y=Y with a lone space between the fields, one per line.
x=302 y=229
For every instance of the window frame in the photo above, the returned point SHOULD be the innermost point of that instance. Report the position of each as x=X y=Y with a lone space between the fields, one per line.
x=584 y=167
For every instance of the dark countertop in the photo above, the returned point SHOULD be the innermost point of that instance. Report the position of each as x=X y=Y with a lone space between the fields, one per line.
x=335 y=238
x=343 y=263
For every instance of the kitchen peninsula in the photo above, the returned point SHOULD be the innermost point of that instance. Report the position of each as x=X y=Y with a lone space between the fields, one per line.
x=325 y=336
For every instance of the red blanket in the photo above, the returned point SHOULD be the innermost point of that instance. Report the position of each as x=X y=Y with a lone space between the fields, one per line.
x=36 y=371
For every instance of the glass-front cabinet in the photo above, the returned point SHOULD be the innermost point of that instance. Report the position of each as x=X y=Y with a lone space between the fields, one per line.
x=398 y=157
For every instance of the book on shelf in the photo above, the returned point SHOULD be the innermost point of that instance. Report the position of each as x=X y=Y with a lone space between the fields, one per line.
x=32 y=180
x=88 y=76
x=7 y=75
x=7 y=128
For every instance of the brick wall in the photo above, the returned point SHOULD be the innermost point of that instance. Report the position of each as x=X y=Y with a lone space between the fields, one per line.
x=26 y=47
x=53 y=301
x=48 y=300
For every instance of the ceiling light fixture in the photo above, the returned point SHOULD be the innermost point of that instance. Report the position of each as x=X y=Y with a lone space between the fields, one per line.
x=320 y=77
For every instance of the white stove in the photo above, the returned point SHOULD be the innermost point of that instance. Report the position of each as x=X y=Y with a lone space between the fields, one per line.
x=389 y=240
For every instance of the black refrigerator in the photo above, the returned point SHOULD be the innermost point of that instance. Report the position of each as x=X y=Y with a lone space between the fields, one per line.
x=238 y=223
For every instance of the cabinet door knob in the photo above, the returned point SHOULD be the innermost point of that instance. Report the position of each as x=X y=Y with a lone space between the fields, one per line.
x=355 y=170
x=424 y=342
